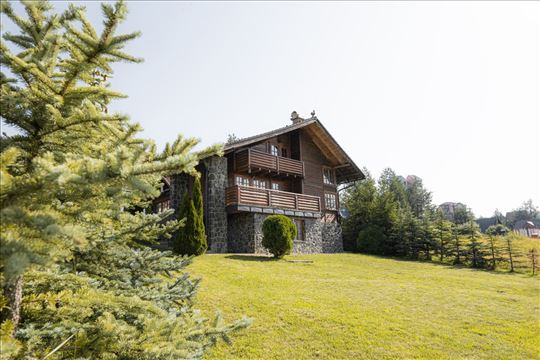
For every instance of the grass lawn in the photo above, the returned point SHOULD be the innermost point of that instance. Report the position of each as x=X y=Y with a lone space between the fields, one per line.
x=352 y=306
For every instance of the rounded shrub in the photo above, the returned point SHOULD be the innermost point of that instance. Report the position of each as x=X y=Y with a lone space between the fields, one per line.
x=371 y=240
x=278 y=234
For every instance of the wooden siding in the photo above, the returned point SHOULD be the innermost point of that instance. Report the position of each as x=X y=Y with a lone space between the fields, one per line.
x=243 y=195
x=314 y=161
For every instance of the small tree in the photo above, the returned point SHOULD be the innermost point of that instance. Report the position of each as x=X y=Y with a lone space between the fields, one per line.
x=510 y=250
x=278 y=234
x=476 y=249
x=495 y=232
x=443 y=235
x=371 y=240
x=457 y=244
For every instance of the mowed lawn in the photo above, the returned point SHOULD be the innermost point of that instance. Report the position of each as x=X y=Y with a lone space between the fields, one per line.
x=352 y=306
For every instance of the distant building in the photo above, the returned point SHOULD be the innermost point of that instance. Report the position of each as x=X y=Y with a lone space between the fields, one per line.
x=485 y=223
x=528 y=228
x=411 y=180
x=449 y=209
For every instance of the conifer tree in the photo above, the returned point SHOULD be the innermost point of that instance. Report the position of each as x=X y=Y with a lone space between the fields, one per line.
x=457 y=247
x=200 y=231
x=75 y=275
x=495 y=233
x=476 y=250
x=509 y=239
x=443 y=235
x=188 y=238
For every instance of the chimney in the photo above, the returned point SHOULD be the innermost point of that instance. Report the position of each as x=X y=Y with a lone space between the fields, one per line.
x=295 y=118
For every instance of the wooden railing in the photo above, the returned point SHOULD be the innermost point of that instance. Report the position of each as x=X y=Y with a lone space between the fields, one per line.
x=246 y=195
x=251 y=159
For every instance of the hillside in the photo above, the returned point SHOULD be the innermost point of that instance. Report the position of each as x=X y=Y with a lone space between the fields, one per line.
x=359 y=306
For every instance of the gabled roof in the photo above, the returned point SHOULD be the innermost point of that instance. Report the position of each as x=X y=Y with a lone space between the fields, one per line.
x=346 y=169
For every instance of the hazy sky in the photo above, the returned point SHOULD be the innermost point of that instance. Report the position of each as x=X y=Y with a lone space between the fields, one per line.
x=448 y=91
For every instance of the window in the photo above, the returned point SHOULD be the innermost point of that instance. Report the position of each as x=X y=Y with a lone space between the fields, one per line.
x=284 y=152
x=275 y=186
x=299 y=229
x=330 y=201
x=261 y=184
x=162 y=206
x=242 y=181
x=274 y=150
x=328 y=176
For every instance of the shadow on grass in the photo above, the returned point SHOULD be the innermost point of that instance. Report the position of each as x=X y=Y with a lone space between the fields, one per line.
x=258 y=258
x=448 y=265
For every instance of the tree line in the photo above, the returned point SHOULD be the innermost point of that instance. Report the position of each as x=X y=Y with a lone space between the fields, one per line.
x=394 y=216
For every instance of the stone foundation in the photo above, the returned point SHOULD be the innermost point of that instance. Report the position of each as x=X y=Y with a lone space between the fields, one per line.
x=332 y=239
x=245 y=235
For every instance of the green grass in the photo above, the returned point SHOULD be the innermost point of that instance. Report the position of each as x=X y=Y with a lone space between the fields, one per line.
x=352 y=306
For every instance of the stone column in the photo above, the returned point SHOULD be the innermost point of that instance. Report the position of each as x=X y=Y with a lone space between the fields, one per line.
x=216 y=185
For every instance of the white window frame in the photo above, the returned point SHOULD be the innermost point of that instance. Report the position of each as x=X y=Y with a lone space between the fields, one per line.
x=328 y=198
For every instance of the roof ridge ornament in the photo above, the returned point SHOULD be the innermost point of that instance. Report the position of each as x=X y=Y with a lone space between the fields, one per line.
x=313 y=117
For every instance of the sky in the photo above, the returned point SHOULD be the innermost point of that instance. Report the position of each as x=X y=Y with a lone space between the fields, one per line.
x=447 y=91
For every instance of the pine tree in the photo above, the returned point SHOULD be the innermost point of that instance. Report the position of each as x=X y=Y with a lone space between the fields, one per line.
x=74 y=272
x=476 y=249
x=509 y=239
x=443 y=234
x=457 y=246
x=495 y=233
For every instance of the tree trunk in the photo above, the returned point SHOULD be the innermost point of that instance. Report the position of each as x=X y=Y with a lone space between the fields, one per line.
x=493 y=261
x=509 y=244
x=13 y=293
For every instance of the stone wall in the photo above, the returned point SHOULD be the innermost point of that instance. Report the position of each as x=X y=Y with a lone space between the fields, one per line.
x=240 y=234
x=332 y=239
x=245 y=235
x=216 y=214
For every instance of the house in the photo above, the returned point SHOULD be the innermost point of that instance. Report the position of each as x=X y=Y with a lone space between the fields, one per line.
x=485 y=223
x=529 y=228
x=294 y=171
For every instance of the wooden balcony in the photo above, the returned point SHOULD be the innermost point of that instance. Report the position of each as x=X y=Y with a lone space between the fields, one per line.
x=246 y=195
x=254 y=161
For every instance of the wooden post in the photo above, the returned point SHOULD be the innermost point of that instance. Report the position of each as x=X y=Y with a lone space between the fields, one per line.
x=269 y=197
x=249 y=160
x=296 y=201
x=237 y=194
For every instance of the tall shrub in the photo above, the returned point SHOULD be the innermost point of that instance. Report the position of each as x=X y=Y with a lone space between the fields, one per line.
x=191 y=239
x=200 y=231
x=278 y=234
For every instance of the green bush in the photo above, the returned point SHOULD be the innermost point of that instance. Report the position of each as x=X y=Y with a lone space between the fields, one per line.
x=278 y=234
x=371 y=240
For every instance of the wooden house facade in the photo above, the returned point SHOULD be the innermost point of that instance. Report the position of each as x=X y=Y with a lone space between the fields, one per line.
x=294 y=171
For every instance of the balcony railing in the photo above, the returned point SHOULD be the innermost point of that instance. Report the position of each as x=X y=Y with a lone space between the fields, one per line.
x=254 y=160
x=246 y=195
